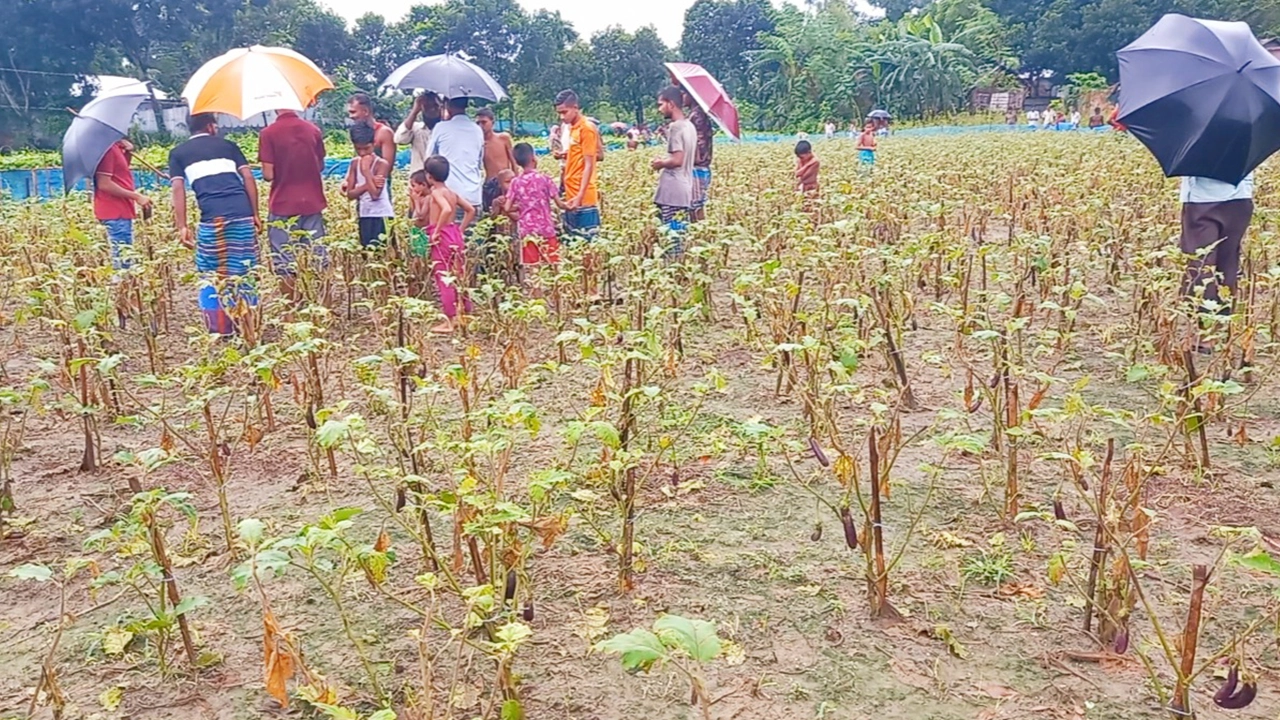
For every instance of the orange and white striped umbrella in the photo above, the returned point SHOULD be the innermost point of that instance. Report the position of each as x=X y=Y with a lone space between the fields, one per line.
x=248 y=81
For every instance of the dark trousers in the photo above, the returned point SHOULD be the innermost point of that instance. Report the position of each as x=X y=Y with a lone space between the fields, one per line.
x=1218 y=228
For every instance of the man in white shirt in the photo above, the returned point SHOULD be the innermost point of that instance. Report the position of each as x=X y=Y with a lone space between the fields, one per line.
x=460 y=141
x=417 y=133
x=1033 y=118
x=1215 y=216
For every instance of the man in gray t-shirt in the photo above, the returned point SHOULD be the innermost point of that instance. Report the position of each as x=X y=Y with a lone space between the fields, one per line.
x=675 y=196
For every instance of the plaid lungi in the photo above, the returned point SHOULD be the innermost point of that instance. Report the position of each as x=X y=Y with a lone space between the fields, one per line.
x=226 y=252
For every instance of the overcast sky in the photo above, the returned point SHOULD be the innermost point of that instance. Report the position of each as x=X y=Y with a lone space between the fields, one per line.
x=587 y=16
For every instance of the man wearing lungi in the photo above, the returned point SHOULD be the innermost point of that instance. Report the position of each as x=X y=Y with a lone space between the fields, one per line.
x=225 y=240
x=1215 y=216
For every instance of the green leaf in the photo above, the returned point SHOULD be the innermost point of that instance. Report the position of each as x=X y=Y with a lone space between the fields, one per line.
x=250 y=531
x=335 y=712
x=190 y=603
x=697 y=638
x=638 y=649
x=1259 y=560
x=331 y=433
x=607 y=434
x=31 y=571
x=384 y=714
x=511 y=710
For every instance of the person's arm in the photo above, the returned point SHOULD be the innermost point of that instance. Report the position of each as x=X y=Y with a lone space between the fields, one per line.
x=509 y=146
x=251 y=189
x=180 y=212
x=349 y=187
x=468 y=213
x=388 y=145
x=377 y=181
x=108 y=186
x=404 y=133
x=267 y=157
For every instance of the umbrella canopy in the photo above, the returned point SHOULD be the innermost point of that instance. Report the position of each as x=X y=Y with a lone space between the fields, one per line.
x=248 y=81
x=95 y=128
x=447 y=76
x=879 y=115
x=1203 y=96
x=709 y=94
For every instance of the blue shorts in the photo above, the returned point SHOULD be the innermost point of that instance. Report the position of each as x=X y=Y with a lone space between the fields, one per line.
x=120 y=236
x=867 y=157
x=582 y=224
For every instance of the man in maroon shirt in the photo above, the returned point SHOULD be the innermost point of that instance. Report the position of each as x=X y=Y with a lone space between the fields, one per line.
x=292 y=154
x=114 y=197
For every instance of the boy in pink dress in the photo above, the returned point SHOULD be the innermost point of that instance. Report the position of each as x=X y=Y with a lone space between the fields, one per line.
x=530 y=196
x=448 y=251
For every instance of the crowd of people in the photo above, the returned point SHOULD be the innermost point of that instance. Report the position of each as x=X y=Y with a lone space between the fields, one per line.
x=460 y=169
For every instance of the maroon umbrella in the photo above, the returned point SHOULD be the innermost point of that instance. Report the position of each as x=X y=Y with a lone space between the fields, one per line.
x=709 y=94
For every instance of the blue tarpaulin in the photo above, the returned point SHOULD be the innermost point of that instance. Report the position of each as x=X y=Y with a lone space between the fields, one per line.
x=46 y=183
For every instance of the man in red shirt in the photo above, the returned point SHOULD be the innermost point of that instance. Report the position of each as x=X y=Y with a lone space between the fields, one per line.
x=114 y=198
x=291 y=151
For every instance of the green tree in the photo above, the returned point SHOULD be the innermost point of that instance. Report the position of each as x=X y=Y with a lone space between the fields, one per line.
x=720 y=34
x=917 y=72
x=630 y=65
x=298 y=24
x=1066 y=36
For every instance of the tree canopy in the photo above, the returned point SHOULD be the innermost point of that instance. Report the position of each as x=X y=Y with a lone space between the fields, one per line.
x=787 y=66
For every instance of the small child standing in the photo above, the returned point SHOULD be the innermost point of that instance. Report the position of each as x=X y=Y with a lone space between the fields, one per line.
x=867 y=145
x=448 y=251
x=366 y=183
x=806 y=169
x=530 y=197
x=419 y=244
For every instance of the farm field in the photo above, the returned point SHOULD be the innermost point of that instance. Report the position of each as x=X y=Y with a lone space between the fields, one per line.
x=930 y=446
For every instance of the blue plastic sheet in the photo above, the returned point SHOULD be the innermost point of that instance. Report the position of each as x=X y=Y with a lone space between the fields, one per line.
x=46 y=183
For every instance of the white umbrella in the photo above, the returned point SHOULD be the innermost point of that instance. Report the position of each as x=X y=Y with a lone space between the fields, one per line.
x=248 y=81
x=447 y=76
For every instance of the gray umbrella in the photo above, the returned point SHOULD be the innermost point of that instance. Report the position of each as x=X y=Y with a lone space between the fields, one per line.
x=1203 y=96
x=447 y=76
x=102 y=122
x=879 y=115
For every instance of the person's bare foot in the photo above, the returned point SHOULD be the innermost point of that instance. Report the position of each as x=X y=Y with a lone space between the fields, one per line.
x=444 y=328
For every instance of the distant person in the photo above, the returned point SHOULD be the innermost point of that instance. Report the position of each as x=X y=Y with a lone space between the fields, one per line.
x=1075 y=119
x=291 y=151
x=1010 y=117
x=701 y=158
x=366 y=183
x=1097 y=119
x=1033 y=119
x=460 y=141
x=853 y=129
x=447 y=216
x=580 y=146
x=830 y=129
x=530 y=198
x=867 y=145
x=634 y=136
x=1215 y=216
x=360 y=110
x=676 y=191
x=806 y=169
x=114 y=199
x=226 y=238
x=498 y=154
x=415 y=130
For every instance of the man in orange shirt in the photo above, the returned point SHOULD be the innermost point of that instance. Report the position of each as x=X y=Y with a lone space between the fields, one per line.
x=580 y=144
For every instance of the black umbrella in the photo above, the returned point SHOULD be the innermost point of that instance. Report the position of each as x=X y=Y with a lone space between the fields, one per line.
x=1203 y=96
x=95 y=128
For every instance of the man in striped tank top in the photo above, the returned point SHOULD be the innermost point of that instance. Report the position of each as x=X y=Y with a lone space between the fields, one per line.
x=225 y=240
